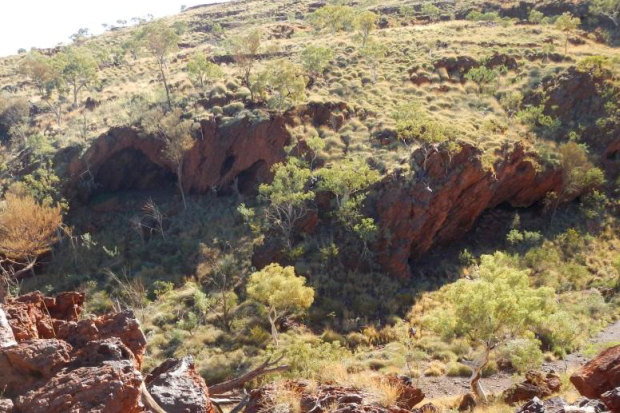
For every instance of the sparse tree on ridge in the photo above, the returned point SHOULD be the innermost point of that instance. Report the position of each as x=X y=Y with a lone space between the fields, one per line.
x=244 y=49
x=161 y=40
x=366 y=23
x=202 y=71
x=567 y=23
x=79 y=70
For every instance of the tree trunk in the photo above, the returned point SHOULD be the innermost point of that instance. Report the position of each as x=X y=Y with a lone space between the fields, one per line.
x=180 y=183
x=474 y=381
x=75 y=95
x=274 y=330
x=165 y=82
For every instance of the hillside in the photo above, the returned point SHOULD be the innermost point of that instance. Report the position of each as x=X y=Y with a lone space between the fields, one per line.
x=355 y=189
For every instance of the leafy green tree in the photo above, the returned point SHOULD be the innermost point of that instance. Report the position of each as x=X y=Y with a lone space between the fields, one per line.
x=432 y=11
x=315 y=59
x=482 y=76
x=203 y=71
x=177 y=136
x=245 y=50
x=79 y=70
x=579 y=175
x=46 y=74
x=373 y=52
x=496 y=306
x=281 y=291
x=316 y=144
x=287 y=196
x=333 y=17
x=160 y=40
x=366 y=22
x=284 y=80
x=346 y=179
x=609 y=9
x=535 y=16
x=40 y=70
x=567 y=23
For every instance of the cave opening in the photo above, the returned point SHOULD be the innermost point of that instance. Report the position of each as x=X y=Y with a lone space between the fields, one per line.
x=130 y=169
x=249 y=179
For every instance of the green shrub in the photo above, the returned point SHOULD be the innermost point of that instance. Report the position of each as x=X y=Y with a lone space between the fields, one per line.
x=455 y=369
x=523 y=354
x=233 y=108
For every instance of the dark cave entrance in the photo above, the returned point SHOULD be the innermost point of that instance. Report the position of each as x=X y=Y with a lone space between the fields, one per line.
x=131 y=169
x=249 y=179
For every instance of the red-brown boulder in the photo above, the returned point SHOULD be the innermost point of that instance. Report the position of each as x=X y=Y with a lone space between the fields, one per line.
x=30 y=363
x=536 y=384
x=612 y=399
x=33 y=315
x=112 y=388
x=599 y=375
x=123 y=325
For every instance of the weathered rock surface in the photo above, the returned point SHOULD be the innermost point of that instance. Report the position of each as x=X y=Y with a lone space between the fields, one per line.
x=449 y=192
x=111 y=387
x=599 y=375
x=60 y=364
x=178 y=388
x=7 y=338
x=243 y=149
x=32 y=315
x=536 y=384
x=612 y=399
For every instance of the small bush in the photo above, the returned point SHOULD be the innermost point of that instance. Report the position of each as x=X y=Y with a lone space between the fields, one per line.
x=455 y=369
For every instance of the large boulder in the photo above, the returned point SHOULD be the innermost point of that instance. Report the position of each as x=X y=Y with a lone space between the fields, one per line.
x=612 y=399
x=123 y=325
x=178 y=388
x=113 y=387
x=599 y=375
x=536 y=384
x=33 y=316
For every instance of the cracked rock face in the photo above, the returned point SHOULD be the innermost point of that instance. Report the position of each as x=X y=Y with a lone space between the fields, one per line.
x=178 y=388
x=53 y=362
x=599 y=375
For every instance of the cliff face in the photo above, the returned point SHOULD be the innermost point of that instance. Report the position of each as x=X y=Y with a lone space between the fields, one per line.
x=125 y=158
x=443 y=202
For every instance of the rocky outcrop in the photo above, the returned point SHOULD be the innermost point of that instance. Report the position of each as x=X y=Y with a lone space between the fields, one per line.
x=178 y=388
x=536 y=384
x=449 y=191
x=581 y=98
x=242 y=149
x=52 y=362
x=331 y=397
x=599 y=375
